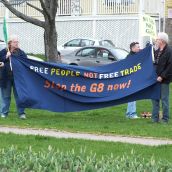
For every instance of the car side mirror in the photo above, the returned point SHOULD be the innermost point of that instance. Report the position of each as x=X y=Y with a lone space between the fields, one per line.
x=65 y=45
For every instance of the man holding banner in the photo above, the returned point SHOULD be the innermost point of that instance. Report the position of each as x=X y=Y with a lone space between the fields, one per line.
x=131 y=108
x=163 y=62
x=12 y=51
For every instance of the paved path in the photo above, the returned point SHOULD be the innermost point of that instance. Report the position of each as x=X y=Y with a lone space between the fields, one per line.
x=108 y=138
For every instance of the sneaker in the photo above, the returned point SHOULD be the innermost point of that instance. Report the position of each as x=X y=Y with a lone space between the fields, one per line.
x=134 y=117
x=3 y=116
x=22 y=116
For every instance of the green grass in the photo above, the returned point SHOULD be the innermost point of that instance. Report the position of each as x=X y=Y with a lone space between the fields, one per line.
x=108 y=121
x=39 y=143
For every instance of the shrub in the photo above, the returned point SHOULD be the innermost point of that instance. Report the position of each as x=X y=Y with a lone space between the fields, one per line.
x=50 y=160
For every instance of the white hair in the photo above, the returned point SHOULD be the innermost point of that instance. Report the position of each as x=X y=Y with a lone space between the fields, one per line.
x=163 y=36
x=12 y=37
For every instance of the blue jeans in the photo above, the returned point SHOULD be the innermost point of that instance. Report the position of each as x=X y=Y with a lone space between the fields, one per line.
x=6 y=98
x=165 y=104
x=131 y=109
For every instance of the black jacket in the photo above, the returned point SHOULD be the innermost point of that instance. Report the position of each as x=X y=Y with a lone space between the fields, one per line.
x=130 y=53
x=164 y=64
x=5 y=72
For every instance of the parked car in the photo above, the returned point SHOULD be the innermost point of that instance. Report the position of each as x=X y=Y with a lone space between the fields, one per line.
x=75 y=44
x=94 y=56
x=2 y=45
x=34 y=58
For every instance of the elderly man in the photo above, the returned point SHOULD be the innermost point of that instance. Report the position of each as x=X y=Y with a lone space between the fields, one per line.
x=163 y=62
x=7 y=79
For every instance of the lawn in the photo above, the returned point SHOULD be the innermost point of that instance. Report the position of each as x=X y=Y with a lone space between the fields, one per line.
x=107 y=121
x=39 y=143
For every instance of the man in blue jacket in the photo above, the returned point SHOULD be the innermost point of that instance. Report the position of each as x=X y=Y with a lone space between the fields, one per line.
x=7 y=79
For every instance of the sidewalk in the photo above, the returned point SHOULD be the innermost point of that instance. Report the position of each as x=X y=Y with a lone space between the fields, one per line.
x=85 y=136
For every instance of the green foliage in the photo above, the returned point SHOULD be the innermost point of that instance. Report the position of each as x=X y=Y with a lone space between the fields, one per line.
x=38 y=143
x=51 y=160
x=110 y=120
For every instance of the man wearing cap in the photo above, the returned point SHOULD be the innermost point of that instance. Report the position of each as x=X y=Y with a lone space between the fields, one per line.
x=7 y=79
x=163 y=63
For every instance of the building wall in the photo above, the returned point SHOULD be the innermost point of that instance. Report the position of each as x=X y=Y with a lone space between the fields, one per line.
x=168 y=21
x=91 y=7
x=121 y=30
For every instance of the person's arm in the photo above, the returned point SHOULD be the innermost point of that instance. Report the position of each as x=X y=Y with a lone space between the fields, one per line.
x=167 y=69
x=23 y=54
x=3 y=56
x=2 y=59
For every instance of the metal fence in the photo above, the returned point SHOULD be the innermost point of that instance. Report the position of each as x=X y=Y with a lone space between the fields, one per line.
x=91 y=7
x=31 y=36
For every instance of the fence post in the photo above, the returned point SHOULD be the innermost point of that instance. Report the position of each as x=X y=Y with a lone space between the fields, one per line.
x=141 y=13
x=94 y=13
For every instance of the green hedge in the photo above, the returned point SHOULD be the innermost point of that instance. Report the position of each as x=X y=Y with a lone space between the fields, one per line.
x=50 y=160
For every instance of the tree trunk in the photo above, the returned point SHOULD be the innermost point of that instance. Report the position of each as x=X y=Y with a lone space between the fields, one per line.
x=51 y=41
x=49 y=10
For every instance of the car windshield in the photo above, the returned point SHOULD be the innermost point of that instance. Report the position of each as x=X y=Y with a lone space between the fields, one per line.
x=106 y=43
x=120 y=54
x=73 y=43
x=86 y=52
x=87 y=42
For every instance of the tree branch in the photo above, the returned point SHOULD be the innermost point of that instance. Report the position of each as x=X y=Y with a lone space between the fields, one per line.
x=23 y=16
x=44 y=9
x=36 y=8
x=18 y=2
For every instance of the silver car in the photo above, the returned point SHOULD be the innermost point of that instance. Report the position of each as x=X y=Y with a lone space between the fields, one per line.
x=75 y=44
x=94 y=56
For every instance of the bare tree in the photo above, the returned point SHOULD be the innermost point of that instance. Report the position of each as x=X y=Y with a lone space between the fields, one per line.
x=49 y=10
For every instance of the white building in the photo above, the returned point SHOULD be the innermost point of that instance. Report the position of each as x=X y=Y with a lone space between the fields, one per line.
x=117 y=20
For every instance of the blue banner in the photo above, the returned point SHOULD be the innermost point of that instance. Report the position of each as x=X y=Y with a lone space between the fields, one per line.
x=66 y=88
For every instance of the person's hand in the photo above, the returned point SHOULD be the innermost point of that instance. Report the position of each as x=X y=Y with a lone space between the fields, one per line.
x=8 y=54
x=159 y=79
x=1 y=64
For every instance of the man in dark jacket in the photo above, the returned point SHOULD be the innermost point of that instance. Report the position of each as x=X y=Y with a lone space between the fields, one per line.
x=131 y=108
x=7 y=80
x=163 y=62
